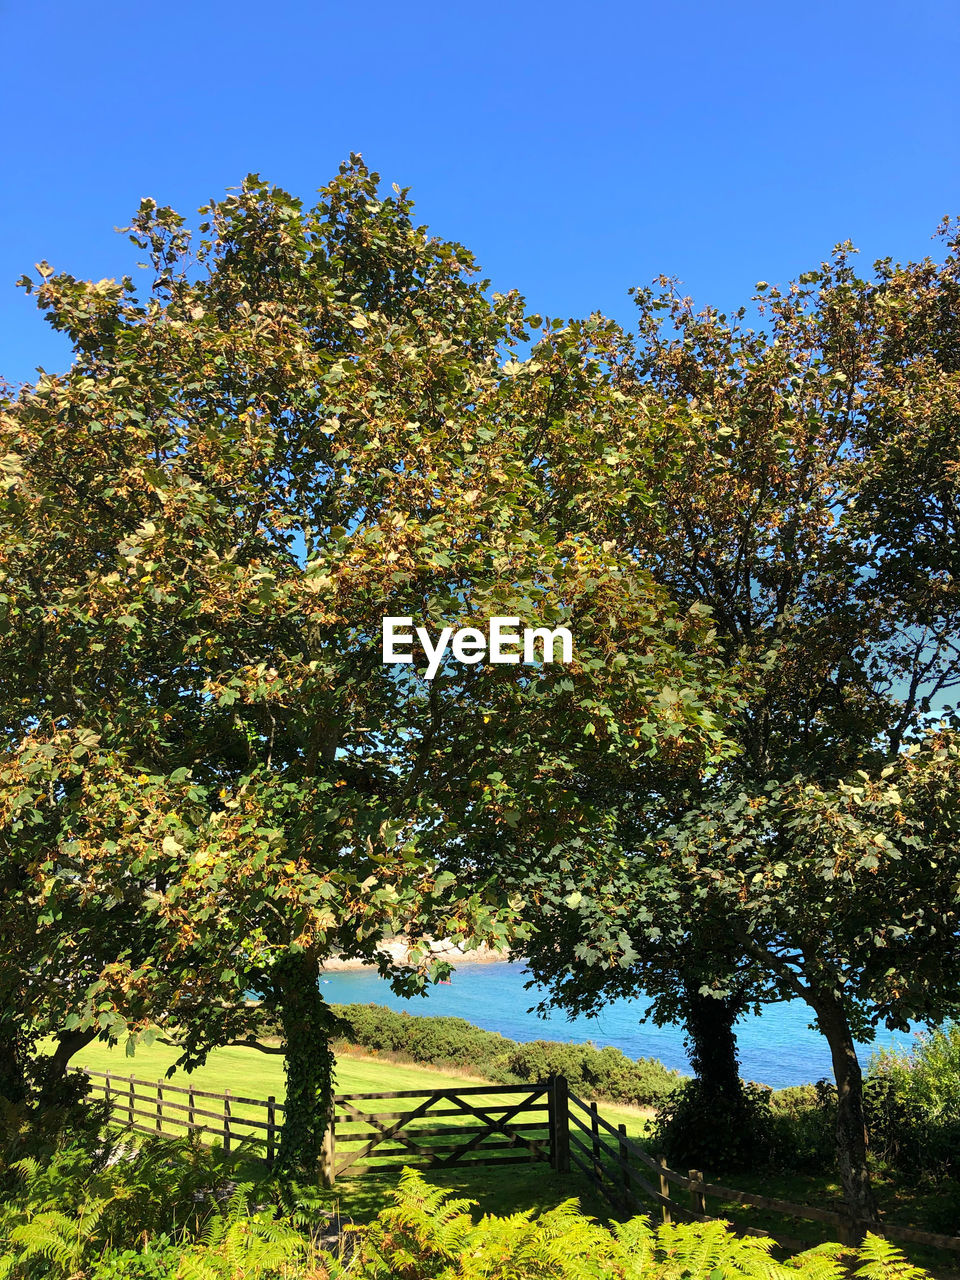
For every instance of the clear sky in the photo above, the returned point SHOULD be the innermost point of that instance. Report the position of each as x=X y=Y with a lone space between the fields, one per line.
x=577 y=149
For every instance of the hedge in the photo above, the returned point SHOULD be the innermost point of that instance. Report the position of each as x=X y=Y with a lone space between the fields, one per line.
x=453 y=1042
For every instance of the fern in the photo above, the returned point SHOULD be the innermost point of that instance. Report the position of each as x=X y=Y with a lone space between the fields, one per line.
x=823 y=1262
x=52 y=1236
x=638 y=1240
x=696 y=1250
x=424 y=1223
x=68 y=1214
x=243 y=1243
x=883 y=1261
x=428 y=1235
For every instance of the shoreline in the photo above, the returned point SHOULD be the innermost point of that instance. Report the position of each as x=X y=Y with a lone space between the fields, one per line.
x=398 y=949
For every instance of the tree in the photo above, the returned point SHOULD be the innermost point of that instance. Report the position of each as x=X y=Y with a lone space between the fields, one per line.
x=210 y=782
x=797 y=483
x=640 y=726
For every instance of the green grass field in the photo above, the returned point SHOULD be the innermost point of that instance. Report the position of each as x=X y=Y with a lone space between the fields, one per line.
x=248 y=1073
x=252 y=1074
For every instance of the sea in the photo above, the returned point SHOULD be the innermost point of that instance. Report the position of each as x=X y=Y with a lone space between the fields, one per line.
x=778 y=1047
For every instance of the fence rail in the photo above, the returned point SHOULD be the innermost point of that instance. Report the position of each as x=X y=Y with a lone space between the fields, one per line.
x=502 y=1113
x=608 y=1158
x=150 y=1107
x=498 y=1124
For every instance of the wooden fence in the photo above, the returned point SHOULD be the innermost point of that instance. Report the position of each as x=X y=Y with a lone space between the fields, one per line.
x=494 y=1124
x=484 y=1125
x=154 y=1106
x=513 y=1128
x=629 y=1179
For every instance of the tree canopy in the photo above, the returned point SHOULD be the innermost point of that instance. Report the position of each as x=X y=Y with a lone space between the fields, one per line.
x=797 y=483
x=210 y=781
x=304 y=420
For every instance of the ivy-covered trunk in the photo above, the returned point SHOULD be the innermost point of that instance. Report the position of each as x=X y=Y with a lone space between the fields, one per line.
x=712 y=1045
x=851 y=1124
x=13 y=1085
x=711 y=1122
x=306 y=1024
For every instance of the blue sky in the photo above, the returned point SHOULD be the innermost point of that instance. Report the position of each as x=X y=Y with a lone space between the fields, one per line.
x=577 y=149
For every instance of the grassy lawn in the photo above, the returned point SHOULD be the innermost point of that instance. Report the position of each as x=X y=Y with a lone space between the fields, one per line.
x=257 y=1075
x=247 y=1073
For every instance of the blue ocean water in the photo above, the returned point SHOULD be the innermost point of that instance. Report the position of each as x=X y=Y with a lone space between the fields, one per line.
x=777 y=1047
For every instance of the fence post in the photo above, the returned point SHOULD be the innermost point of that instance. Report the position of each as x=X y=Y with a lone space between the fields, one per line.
x=328 y=1156
x=848 y=1234
x=226 y=1120
x=697 y=1198
x=664 y=1189
x=595 y=1141
x=106 y=1093
x=271 y=1128
x=130 y=1100
x=159 y=1107
x=560 y=1135
x=191 y=1118
x=552 y=1117
x=624 y=1156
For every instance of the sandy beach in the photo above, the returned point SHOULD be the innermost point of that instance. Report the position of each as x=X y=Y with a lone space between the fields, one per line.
x=398 y=948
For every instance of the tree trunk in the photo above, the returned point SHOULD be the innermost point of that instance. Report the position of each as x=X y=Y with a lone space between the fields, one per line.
x=54 y=1067
x=851 y=1126
x=13 y=1085
x=712 y=1044
x=305 y=1022
x=711 y=1121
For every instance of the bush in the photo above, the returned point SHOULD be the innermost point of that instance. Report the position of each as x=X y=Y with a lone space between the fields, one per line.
x=439 y=1041
x=30 y=1130
x=912 y=1109
x=696 y=1128
x=792 y=1128
x=158 y=1259
x=102 y=1192
x=600 y=1073
x=913 y=1104
x=454 y=1042
x=802 y=1127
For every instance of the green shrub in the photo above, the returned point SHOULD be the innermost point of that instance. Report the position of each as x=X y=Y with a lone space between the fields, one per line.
x=30 y=1130
x=157 y=1259
x=600 y=1073
x=696 y=1128
x=66 y=1210
x=453 y=1042
x=913 y=1104
x=439 y=1041
x=802 y=1127
x=239 y=1243
x=249 y=1243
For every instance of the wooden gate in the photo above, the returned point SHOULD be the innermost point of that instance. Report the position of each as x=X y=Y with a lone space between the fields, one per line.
x=483 y=1125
